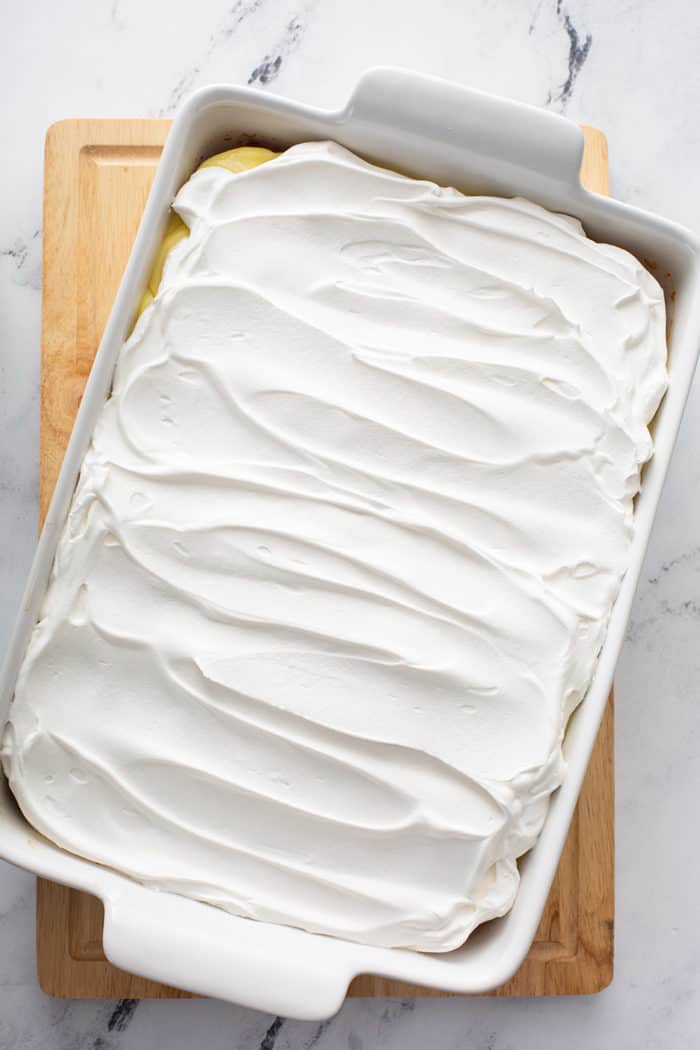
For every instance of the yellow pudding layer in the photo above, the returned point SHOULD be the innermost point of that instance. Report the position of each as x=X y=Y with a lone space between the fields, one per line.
x=241 y=159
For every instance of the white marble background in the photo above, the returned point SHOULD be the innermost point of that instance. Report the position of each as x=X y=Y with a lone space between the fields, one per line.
x=629 y=66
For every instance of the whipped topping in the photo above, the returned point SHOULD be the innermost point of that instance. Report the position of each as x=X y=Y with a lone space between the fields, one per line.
x=343 y=551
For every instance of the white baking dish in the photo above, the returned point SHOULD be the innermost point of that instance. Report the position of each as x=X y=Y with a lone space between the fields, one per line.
x=457 y=137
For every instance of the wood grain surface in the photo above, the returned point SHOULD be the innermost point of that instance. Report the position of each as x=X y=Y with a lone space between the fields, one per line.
x=97 y=177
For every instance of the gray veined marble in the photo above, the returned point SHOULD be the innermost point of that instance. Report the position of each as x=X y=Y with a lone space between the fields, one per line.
x=629 y=66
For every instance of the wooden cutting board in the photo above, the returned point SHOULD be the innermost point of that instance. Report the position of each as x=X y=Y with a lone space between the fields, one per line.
x=97 y=177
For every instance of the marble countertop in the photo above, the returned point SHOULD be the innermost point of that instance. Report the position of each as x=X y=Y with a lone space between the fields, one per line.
x=628 y=66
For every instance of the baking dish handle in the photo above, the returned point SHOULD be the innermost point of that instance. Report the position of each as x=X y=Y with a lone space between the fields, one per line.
x=193 y=946
x=506 y=133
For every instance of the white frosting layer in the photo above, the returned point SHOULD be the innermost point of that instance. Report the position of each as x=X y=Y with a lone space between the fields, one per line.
x=343 y=551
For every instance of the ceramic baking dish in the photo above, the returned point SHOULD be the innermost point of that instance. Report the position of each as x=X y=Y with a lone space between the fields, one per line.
x=425 y=127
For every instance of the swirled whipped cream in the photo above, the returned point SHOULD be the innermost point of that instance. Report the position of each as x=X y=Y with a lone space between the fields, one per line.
x=343 y=551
